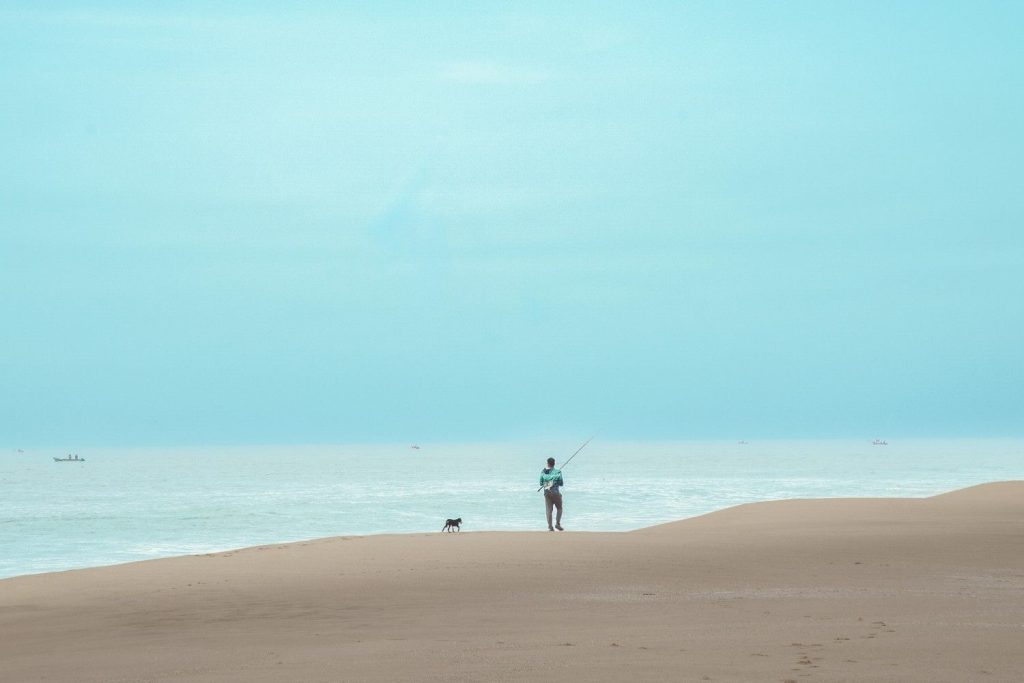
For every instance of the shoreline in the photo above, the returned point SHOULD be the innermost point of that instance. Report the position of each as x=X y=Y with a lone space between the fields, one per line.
x=201 y=500
x=916 y=589
x=400 y=534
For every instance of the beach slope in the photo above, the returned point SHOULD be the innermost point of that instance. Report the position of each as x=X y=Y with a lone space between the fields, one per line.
x=803 y=590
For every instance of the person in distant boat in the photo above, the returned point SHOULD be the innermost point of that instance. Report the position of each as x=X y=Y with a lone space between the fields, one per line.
x=551 y=481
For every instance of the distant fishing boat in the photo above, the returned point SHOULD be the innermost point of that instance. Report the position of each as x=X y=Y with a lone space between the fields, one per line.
x=414 y=447
x=743 y=443
x=879 y=442
x=70 y=458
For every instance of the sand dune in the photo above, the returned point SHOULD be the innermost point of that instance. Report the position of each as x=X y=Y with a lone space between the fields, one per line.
x=803 y=590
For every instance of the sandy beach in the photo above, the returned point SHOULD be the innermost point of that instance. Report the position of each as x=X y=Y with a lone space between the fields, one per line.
x=802 y=590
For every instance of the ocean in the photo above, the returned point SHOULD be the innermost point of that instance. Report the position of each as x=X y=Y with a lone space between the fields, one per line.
x=123 y=505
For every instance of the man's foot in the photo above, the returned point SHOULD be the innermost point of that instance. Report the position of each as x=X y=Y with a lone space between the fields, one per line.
x=559 y=527
x=551 y=528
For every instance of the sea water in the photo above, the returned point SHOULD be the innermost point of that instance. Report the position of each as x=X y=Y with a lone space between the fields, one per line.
x=121 y=505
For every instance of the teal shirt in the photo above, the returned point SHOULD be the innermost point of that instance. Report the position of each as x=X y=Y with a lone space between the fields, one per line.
x=554 y=476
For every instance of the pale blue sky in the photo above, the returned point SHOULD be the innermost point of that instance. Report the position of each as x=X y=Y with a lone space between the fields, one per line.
x=241 y=223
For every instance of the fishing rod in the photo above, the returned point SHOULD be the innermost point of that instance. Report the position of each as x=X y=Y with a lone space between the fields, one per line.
x=573 y=456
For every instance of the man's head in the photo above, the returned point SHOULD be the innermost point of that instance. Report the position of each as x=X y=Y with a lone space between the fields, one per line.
x=551 y=462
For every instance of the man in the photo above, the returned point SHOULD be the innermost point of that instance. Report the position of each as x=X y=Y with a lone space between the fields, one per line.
x=551 y=481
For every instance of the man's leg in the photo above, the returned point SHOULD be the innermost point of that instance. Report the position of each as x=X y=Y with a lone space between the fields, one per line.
x=558 y=506
x=548 y=503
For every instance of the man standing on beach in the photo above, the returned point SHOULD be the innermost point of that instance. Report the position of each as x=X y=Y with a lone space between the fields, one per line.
x=551 y=481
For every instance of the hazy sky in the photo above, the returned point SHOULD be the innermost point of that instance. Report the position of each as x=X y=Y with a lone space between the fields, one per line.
x=228 y=222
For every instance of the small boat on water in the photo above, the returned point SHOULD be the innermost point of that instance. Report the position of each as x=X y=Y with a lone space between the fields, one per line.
x=70 y=458
x=879 y=442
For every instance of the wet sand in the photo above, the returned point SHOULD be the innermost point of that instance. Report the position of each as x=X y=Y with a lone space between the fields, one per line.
x=803 y=590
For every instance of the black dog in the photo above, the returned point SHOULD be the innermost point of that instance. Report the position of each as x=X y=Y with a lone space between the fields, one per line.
x=453 y=525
